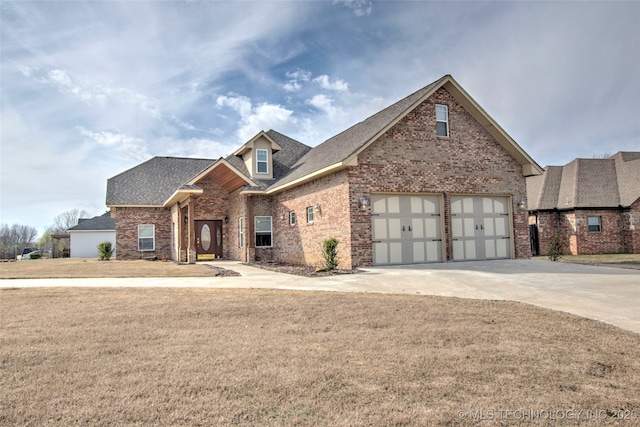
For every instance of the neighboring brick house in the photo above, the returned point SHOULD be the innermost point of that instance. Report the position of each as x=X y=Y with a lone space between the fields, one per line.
x=592 y=204
x=431 y=178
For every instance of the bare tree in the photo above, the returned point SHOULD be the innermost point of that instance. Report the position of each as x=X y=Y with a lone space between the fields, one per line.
x=66 y=220
x=605 y=155
x=15 y=238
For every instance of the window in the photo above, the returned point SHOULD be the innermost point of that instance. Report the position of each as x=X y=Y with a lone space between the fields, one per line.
x=442 y=120
x=292 y=218
x=240 y=232
x=263 y=231
x=146 y=237
x=262 y=164
x=594 y=223
x=310 y=214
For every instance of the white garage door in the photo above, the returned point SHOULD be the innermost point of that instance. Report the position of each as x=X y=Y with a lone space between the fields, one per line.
x=480 y=227
x=406 y=229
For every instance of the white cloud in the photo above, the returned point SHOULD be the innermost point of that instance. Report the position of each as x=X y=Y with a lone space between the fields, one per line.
x=295 y=78
x=326 y=83
x=253 y=119
x=324 y=103
x=133 y=148
x=359 y=7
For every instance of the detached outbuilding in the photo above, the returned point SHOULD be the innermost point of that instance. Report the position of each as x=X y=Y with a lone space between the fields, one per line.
x=89 y=233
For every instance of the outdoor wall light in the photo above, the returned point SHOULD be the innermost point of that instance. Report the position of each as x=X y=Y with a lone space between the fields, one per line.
x=283 y=215
x=226 y=220
x=363 y=203
x=186 y=219
x=317 y=207
x=522 y=205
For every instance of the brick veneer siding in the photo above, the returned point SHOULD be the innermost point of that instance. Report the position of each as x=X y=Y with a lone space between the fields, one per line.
x=127 y=221
x=213 y=204
x=631 y=226
x=237 y=209
x=261 y=206
x=572 y=226
x=411 y=158
x=302 y=243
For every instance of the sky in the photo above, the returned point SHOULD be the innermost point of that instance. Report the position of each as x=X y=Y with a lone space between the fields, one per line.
x=90 y=89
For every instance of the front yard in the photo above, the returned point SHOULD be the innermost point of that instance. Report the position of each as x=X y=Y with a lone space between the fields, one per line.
x=129 y=356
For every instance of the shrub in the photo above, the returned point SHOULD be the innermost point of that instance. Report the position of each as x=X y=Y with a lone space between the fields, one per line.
x=35 y=255
x=330 y=254
x=105 y=250
x=556 y=248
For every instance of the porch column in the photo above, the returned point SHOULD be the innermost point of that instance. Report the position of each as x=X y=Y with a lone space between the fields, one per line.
x=191 y=245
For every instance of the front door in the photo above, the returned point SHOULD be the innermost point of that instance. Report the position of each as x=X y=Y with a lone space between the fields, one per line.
x=208 y=239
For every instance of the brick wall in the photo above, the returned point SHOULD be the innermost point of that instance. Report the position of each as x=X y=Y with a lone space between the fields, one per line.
x=631 y=227
x=127 y=221
x=213 y=204
x=302 y=243
x=411 y=158
x=615 y=235
x=237 y=209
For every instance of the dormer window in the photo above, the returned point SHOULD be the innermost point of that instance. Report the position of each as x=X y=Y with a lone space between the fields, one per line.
x=262 y=161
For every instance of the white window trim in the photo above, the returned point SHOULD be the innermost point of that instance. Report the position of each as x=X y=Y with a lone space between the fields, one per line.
x=445 y=121
x=153 y=237
x=292 y=218
x=255 y=230
x=599 y=230
x=241 y=232
x=310 y=214
x=266 y=161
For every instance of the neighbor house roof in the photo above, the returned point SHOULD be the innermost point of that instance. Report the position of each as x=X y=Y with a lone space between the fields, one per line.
x=587 y=183
x=103 y=222
x=341 y=150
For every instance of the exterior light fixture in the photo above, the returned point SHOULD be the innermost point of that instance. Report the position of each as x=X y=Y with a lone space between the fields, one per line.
x=186 y=219
x=317 y=207
x=226 y=219
x=363 y=203
x=522 y=205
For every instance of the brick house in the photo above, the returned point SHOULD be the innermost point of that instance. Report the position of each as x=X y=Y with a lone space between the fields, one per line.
x=592 y=204
x=431 y=178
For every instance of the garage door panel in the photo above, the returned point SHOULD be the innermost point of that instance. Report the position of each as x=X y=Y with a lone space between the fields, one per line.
x=406 y=229
x=480 y=227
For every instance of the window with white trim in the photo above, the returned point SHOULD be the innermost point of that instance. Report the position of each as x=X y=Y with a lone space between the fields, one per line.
x=292 y=218
x=262 y=161
x=241 y=232
x=263 y=232
x=594 y=223
x=146 y=237
x=310 y=214
x=442 y=120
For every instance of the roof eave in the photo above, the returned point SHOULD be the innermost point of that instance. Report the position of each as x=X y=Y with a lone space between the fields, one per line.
x=181 y=195
x=249 y=144
x=350 y=161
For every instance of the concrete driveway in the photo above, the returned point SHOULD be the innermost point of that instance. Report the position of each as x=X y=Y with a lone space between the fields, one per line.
x=611 y=295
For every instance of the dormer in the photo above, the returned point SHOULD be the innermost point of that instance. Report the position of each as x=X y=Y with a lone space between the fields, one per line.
x=257 y=155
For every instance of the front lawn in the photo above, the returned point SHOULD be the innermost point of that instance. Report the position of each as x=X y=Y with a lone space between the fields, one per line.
x=153 y=356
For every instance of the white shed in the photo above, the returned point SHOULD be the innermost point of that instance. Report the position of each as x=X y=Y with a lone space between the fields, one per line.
x=89 y=233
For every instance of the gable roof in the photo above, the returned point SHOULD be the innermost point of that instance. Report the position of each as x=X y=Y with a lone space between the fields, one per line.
x=290 y=152
x=103 y=222
x=587 y=183
x=153 y=182
x=341 y=150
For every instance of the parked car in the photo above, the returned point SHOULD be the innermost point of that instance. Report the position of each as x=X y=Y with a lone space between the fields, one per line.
x=29 y=253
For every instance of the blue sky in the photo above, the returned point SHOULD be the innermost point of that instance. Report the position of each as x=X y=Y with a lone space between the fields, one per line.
x=90 y=89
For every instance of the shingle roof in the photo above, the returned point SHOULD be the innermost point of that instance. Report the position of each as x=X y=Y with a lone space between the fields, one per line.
x=587 y=183
x=103 y=222
x=283 y=160
x=154 y=181
x=346 y=143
